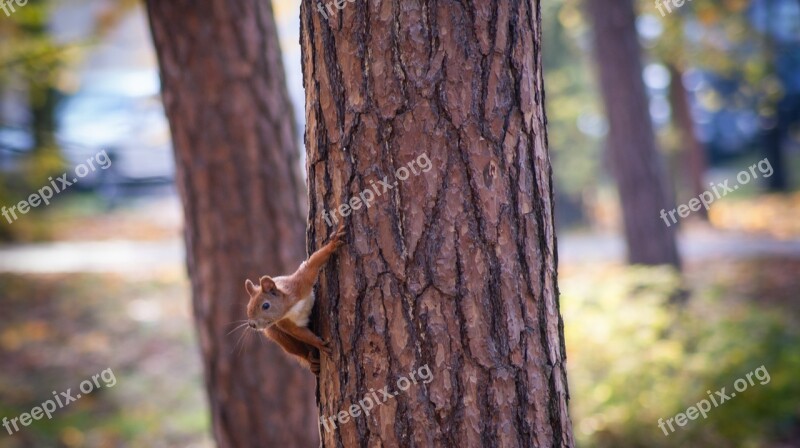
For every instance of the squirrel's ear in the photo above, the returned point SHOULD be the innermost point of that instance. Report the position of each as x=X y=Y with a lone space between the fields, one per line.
x=267 y=284
x=251 y=288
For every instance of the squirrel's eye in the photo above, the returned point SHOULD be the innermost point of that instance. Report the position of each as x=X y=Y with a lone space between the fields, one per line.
x=265 y=306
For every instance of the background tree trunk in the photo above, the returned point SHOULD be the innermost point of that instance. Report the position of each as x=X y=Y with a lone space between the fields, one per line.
x=640 y=175
x=453 y=268
x=238 y=175
x=693 y=154
x=774 y=128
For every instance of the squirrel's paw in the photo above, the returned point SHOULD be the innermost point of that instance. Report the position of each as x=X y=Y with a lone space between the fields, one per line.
x=326 y=348
x=313 y=363
x=338 y=238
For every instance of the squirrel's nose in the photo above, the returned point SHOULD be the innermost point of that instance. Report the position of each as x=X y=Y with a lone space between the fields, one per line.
x=252 y=324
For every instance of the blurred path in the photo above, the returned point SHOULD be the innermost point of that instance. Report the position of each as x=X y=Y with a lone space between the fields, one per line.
x=123 y=256
x=93 y=256
x=695 y=245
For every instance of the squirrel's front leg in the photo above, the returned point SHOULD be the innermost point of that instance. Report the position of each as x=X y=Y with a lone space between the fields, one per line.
x=303 y=334
x=295 y=347
x=320 y=257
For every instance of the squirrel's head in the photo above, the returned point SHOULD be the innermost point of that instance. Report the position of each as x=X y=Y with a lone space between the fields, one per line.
x=267 y=303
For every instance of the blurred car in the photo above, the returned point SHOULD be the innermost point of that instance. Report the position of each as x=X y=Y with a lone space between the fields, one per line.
x=120 y=113
x=13 y=142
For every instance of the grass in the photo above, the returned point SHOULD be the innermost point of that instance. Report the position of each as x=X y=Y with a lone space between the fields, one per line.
x=60 y=330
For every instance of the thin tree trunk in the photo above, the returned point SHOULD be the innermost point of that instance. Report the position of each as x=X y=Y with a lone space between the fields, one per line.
x=453 y=268
x=772 y=138
x=640 y=175
x=693 y=154
x=774 y=128
x=238 y=176
x=43 y=101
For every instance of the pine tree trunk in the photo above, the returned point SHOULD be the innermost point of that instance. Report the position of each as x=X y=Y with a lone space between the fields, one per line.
x=454 y=268
x=238 y=175
x=693 y=154
x=637 y=168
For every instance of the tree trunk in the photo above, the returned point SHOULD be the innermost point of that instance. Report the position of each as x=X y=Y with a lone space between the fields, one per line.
x=640 y=175
x=238 y=176
x=693 y=154
x=453 y=269
x=773 y=128
x=772 y=138
x=42 y=99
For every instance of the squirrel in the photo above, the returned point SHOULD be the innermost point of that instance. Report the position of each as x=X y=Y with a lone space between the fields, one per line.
x=280 y=306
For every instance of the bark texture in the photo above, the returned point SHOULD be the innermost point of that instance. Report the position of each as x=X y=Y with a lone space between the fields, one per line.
x=239 y=177
x=454 y=267
x=636 y=165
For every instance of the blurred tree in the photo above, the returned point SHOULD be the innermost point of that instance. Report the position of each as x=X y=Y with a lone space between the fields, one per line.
x=669 y=47
x=453 y=267
x=641 y=180
x=34 y=64
x=238 y=175
x=749 y=46
x=30 y=54
x=777 y=108
x=33 y=57
x=693 y=152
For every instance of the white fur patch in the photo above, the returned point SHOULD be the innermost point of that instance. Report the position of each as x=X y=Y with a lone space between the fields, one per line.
x=300 y=311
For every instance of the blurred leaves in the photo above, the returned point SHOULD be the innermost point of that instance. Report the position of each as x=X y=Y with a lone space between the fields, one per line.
x=724 y=40
x=59 y=330
x=36 y=64
x=774 y=215
x=635 y=357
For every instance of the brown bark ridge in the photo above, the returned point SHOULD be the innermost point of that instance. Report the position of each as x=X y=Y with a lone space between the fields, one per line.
x=239 y=177
x=453 y=268
x=693 y=154
x=636 y=166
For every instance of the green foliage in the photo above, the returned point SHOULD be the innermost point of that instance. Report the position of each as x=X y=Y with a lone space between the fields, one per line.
x=570 y=98
x=721 y=41
x=27 y=49
x=636 y=357
x=715 y=36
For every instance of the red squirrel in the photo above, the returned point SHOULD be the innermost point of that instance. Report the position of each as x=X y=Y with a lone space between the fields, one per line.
x=280 y=306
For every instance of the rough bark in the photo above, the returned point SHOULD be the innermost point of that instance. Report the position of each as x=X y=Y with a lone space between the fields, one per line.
x=636 y=166
x=238 y=175
x=453 y=268
x=694 y=153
